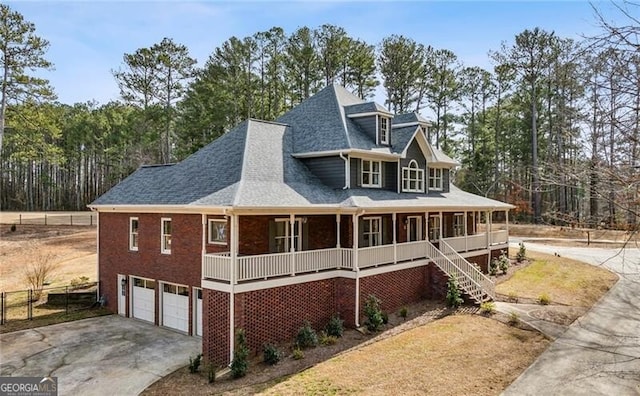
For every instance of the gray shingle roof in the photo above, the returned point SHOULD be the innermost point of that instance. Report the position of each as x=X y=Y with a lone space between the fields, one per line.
x=253 y=166
x=365 y=107
x=409 y=118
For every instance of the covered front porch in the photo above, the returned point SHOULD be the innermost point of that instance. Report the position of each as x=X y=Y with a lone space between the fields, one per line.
x=263 y=247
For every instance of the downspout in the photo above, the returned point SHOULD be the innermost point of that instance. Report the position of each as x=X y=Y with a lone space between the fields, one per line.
x=347 y=171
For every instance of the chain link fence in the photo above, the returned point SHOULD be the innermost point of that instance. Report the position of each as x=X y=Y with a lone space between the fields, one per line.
x=33 y=303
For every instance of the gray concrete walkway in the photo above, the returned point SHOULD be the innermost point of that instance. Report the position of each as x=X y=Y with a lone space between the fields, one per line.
x=599 y=354
x=109 y=355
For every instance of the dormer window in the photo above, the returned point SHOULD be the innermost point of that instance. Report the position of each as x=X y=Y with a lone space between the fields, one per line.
x=384 y=130
x=371 y=173
x=412 y=178
x=435 y=178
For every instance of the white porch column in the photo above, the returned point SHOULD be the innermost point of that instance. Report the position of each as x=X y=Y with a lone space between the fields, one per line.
x=356 y=268
x=440 y=221
x=466 y=232
x=338 y=231
x=292 y=247
x=234 y=280
x=487 y=228
x=395 y=242
x=506 y=216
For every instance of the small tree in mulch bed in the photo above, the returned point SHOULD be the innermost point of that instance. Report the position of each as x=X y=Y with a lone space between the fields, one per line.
x=240 y=362
x=454 y=299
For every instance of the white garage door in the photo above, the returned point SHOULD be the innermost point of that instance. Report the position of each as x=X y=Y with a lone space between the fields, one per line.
x=199 y=312
x=144 y=297
x=175 y=307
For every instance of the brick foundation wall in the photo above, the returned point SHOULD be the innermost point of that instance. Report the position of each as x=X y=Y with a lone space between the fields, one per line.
x=215 y=327
x=395 y=289
x=276 y=314
x=482 y=261
x=182 y=266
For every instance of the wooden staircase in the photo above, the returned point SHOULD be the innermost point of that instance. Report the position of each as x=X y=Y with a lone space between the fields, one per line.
x=469 y=278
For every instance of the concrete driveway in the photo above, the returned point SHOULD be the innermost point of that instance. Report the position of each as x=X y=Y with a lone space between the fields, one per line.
x=97 y=356
x=599 y=354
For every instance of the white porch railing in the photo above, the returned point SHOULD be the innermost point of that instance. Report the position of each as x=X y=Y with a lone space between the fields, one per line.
x=471 y=271
x=216 y=266
x=499 y=237
x=411 y=250
x=468 y=243
x=375 y=255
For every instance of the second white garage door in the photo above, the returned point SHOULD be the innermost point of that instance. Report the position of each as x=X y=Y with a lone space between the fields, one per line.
x=144 y=297
x=175 y=307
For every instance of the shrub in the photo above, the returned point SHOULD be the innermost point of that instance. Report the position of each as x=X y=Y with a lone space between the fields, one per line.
x=271 y=354
x=512 y=297
x=335 y=327
x=522 y=253
x=240 y=362
x=373 y=313
x=37 y=274
x=298 y=354
x=326 y=339
x=307 y=336
x=454 y=299
x=503 y=263
x=404 y=312
x=13 y=228
x=77 y=282
x=493 y=267
x=385 y=318
x=488 y=307
x=544 y=299
x=514 y=319
x=194 y=364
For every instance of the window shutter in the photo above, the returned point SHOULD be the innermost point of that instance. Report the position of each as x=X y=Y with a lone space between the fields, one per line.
x=272 y=236
x=445 y=180
x=305 y=235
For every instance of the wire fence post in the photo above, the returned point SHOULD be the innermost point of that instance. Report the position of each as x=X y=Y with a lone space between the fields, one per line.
x=45 y=219
x=2 y=308
x=66 y=299
x=71 y=219
x=30 y=305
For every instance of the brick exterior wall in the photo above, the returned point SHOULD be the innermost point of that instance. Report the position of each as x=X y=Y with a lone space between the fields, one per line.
x=395 y=289
x=276 y=314
x=215 y=327
x=254 y=234
x=322 y=232
x=183 y=266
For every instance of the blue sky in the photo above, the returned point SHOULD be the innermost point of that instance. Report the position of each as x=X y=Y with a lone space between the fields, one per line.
x=88 y=39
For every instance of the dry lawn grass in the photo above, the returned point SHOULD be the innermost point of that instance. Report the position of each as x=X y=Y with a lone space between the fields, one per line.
x=566 y=281
x=74 y=249
x=456 y=355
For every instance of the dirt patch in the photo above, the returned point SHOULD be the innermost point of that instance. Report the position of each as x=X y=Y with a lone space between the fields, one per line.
x=73 y=249
x=549 y=231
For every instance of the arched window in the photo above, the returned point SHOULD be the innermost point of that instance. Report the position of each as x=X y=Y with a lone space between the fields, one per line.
x=412 y=178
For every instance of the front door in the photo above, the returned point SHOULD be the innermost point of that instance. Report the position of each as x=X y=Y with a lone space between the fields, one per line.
x=414 y=228
x=122 y=295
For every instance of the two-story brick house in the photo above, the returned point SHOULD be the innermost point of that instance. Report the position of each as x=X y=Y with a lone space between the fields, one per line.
x=279 y=222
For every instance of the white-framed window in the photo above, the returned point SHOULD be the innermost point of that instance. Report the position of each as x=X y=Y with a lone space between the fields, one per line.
x=371 y=173
x=384 y=130
x=434 y=227
x=165 y=236
x=133 y=233
x=218 y=231
x=372 y=231
x=435 y=178
x=283 y=235
x=412 y=178
x=458 y=224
